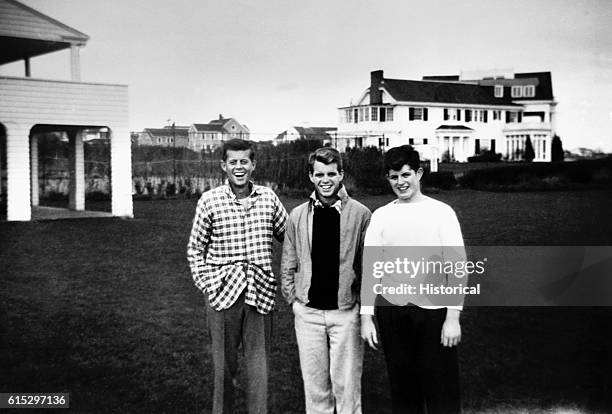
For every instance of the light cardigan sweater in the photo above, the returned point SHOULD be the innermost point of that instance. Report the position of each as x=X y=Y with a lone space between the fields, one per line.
x=425 y=223
x=296 y=263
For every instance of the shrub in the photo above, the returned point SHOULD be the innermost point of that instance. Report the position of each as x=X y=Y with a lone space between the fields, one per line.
x=541 y=176
x=97 y=196
x=486 y=156
x=556 y=151
x=529 y=152
x=444 y=180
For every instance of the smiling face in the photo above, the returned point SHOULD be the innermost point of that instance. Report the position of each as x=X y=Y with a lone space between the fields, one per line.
x=238 y=166
x=327 y=181
x=405 y=183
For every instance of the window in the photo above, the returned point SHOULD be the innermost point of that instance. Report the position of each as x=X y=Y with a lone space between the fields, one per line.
x=468 y=115
x=417 y=114
x=529 y=91
x=425 y=141
x=411 y=141
x=513 y=116
x=482 y=115
x=517 y=91
x=366 y=114
x=452 y=114
x=347 y=116
x=374 y=113
x=499 y=91
x=496 y=114
x=389 y=114
x=355 y=115
x=360 y=114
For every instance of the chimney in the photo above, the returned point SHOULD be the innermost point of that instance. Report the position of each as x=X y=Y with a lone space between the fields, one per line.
x=376 y=79
x=220 y=117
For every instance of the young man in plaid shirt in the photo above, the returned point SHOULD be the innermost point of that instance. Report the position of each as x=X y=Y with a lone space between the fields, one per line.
x=230 y=255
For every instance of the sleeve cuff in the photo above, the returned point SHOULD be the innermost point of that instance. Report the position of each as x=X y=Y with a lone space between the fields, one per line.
x=367 y=310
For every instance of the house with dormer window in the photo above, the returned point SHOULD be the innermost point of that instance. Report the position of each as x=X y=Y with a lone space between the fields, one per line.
x=454 y=117
x=168 y=136
x=211 y=135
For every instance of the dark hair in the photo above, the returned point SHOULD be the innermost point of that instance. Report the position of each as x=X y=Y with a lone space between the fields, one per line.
x=326 y=155
x=237 y=144
x=397 y=157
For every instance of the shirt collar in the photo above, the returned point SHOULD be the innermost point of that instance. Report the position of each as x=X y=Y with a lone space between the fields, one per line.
x=228 y=189
x=342 y=198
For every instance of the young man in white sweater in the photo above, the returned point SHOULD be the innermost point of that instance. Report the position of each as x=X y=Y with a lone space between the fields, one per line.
x=419 y=337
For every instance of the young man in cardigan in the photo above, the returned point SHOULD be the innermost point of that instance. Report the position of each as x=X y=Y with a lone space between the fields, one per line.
x=320 y=279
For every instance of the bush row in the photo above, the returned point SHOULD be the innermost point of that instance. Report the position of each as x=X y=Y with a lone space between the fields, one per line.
x=541 y=176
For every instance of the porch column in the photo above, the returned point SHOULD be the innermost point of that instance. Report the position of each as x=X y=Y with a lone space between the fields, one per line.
x=34 y=170
x=76 y=199
x=121 y=172
x=75 y=63
x=18 y=172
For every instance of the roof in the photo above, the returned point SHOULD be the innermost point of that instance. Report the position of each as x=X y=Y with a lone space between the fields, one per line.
x=209 y=127
x=167 y=132
x=442 y=77
x=314 y=132
x=218 y=125
x=311 y=133
x=454 y=127
x=542 y=81
x=443 y=92
x=25 y=32
x=544 y=89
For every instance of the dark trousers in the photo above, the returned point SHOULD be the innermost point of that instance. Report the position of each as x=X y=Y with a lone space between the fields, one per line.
x=240 y=324
x=424 y=375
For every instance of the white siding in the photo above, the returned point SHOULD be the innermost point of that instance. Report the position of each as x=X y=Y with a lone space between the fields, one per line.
x=26 y=102
x=121 y=172
x=18 y=172
x=35 y=101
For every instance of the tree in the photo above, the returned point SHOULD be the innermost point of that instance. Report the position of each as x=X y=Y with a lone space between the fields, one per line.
x=529 y=152
x=556 y=151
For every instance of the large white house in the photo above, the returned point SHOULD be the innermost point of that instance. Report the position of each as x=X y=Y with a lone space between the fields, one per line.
x=454 y=117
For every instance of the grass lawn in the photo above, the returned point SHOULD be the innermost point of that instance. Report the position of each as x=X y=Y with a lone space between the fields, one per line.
x=106 y=310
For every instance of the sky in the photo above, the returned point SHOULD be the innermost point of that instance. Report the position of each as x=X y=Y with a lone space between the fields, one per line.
x=277 y=63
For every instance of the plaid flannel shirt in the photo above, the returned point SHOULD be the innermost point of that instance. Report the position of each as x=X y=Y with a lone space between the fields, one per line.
x=230 y=246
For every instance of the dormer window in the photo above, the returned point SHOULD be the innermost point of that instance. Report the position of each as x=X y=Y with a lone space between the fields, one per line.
x=517 y=91
x=499 y=91
x=529 y=91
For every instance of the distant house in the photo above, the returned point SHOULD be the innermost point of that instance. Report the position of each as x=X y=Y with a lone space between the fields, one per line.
x=31 y=108
x=209 y=136
x=324 y=134
x=164 y=137
x=454 y=117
